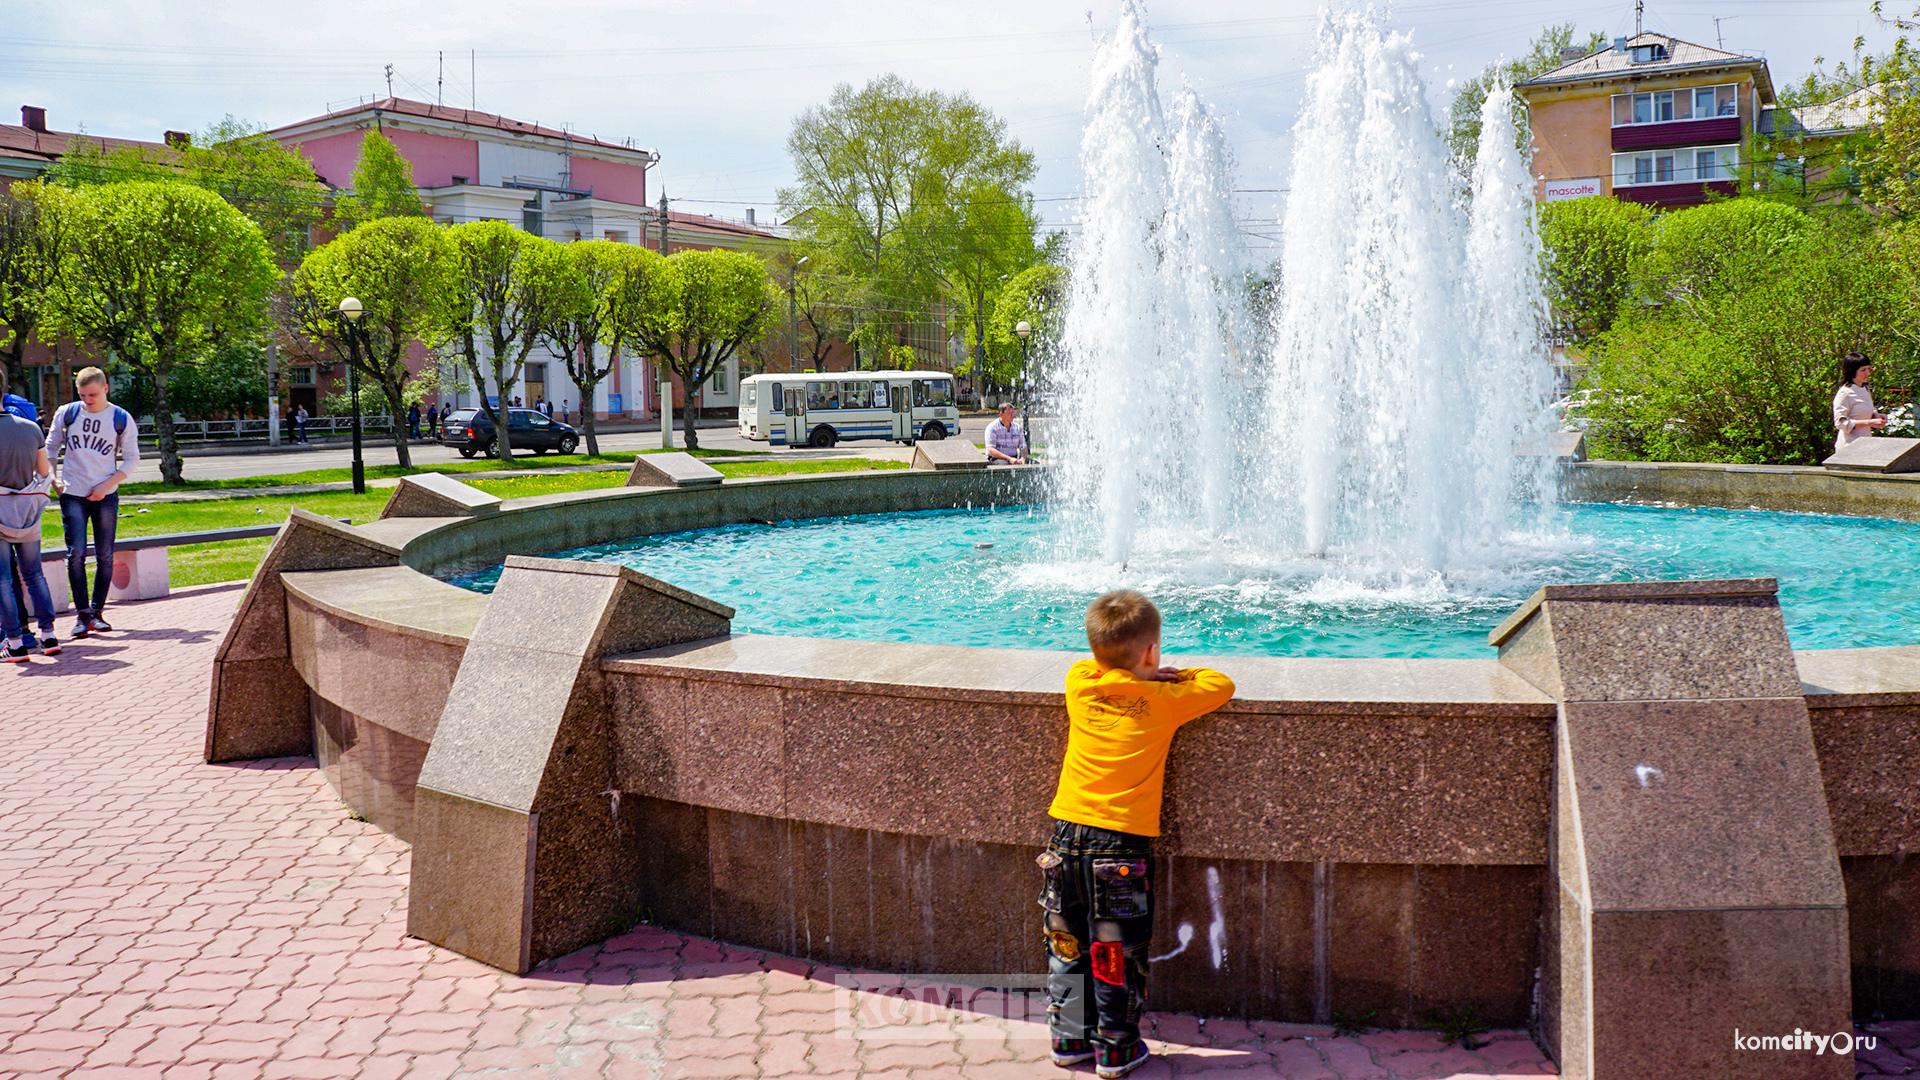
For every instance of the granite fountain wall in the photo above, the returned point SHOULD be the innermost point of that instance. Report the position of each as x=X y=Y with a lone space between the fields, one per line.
x=1347 y=839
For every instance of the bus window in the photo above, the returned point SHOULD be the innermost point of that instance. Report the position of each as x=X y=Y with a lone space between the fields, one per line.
x=774 y=401
x=819 y=394
x=854 y=394
x=879 y=395
x=751 y=396
x=932 y=393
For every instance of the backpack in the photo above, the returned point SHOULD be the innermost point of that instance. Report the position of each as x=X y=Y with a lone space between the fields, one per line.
x=70 y=412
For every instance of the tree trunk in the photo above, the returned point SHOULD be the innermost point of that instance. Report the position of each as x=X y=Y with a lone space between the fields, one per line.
x=397 y=405
x=16 y=359
x=586 y=415
x=686 y=423
x=502 y=440
x=170 y=471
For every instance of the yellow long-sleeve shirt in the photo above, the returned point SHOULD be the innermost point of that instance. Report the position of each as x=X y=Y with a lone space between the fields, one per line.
x=1119 y=730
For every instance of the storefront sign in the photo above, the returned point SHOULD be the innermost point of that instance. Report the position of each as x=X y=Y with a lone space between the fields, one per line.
x=1557 y=190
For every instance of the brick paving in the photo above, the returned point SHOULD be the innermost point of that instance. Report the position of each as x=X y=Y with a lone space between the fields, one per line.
x=163 y=917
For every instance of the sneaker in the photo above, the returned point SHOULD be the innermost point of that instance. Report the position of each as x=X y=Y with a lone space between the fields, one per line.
x=15 y=654
x=49 y=645
x=99 y=625
x=1071 y=1051
x=79 y=628
x=1116 y=1062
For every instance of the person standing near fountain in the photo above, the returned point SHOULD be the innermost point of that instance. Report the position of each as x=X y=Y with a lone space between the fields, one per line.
x=1854 y=416
x=1123 y=709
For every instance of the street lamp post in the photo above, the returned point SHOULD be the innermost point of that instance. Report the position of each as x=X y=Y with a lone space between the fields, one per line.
x=350 y=310
x=1025 y=330
x=793 y=316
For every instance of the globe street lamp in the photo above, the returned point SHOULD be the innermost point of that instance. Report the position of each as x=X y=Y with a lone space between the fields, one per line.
x=1025 y=330
x=350 y=310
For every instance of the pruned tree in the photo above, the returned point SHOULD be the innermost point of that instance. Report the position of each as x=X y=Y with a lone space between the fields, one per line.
x=159 y=272
x=35 y=238
x=700 y=312
x=382 y=186
x=506 y=285
x=400 y=269
x=601 y=297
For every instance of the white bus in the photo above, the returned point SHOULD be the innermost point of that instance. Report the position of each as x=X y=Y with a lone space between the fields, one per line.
x=822 y=408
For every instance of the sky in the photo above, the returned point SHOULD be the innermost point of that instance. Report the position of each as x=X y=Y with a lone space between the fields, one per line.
x=713 y=85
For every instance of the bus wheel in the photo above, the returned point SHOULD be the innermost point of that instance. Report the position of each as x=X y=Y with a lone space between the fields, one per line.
x=823 y=437
x=933 y=432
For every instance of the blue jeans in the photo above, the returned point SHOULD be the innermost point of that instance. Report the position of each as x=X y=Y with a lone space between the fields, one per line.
x=76 y=514
x=1097 y=911
x=22 y=569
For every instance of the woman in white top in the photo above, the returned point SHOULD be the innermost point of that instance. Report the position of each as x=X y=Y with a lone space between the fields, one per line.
x=1853 y=414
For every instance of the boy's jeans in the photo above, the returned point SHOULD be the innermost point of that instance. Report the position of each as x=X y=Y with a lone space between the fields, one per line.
x=1097 y=899
x=76 y=513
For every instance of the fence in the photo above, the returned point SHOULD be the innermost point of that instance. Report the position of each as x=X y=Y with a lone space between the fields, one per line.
x=236 y=430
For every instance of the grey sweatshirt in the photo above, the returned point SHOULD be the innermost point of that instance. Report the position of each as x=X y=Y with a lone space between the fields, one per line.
x=84 y=453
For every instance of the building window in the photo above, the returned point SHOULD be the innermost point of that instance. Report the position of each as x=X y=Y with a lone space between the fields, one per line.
x=1647 y=54
x=1666 y=106
x=1698 y=164
x=618 y=236
x=719 y=381
x=300 y=376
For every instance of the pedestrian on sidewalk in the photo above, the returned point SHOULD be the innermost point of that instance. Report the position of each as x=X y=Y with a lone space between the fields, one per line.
x=300 y=424
x=413 y=420
x=433 y=421
x=93 y=445
x=25 y=481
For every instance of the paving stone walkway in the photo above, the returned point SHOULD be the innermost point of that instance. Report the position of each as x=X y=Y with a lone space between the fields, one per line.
x=163 y=917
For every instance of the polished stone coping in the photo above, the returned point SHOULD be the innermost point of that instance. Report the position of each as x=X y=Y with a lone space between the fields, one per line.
x=1880 y=675
x=392 y=598
x=1632 y=590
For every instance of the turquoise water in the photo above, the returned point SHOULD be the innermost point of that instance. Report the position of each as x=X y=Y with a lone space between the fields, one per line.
x=995 y=577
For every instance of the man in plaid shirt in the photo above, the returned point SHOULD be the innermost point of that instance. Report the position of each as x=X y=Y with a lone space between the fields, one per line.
x=1006 y=441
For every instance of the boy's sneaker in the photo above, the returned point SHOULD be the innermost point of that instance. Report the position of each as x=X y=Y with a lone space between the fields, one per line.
x=50 y=645
x=14 y=654
x=79 y=628
x=1071 y=1051
x=1113 y=1061
x=99 y=625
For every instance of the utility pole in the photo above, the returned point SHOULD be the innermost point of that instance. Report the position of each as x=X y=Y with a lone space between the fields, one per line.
x=1639 y=13
x=793 y=316
x=440 y=80
x=389 y=80
x=666 y=373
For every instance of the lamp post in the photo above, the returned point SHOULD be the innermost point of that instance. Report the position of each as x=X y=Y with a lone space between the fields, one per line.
x=351 y=310
x=1025 y=330
x=793 y=316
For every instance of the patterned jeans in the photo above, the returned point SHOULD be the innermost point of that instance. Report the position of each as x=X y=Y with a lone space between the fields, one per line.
x=1098 y=918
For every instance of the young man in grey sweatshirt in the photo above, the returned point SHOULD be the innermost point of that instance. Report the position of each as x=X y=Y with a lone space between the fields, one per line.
x=93 y=445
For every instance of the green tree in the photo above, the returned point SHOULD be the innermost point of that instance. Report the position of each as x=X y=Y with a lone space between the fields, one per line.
x=700 y=312
x=1697 y=253
x=886 y=176
x=382 y=186
x=159 y=273
x=507 y=284
x=399 y=269
x=1593 y=249
x=600 y=293
x=1463 y=115
x=229 y=380
x=987 y=239
x=35 y=236
x=1036 y=296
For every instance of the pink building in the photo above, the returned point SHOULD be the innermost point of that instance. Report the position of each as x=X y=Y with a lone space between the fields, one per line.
x=476 y=166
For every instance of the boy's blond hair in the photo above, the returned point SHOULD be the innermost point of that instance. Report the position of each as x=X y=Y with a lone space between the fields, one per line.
x=1120 y=626
x=87 y=376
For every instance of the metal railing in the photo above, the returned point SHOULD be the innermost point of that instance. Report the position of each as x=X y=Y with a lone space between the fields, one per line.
x=234 y=430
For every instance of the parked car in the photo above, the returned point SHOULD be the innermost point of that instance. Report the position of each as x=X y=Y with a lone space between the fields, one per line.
x=471 y=432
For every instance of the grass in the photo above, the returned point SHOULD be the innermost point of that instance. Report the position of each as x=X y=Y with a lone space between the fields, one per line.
x=529 y=462
x=202 y=564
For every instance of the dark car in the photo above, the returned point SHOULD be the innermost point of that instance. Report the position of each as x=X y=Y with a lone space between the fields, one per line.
x=471 y=432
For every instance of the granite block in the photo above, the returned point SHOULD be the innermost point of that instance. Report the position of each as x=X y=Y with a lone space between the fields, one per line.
x=372 y=768
x=1370 y=936
x=1670 y=989
x=498 y=736
x=1870 y=766
x=1733 y=783
x=676 y=870
x=1879 y=454
x=1883 y=930
x=948 y=454
x=385 y=676
x=982 y=917
x=751 y=886
x=1661 y=640
x=1234 y=937
x=823 y=916
x=675 y=469
x=471 y=888
x=1567 y=1008
x=710 y=744
x=1476 y=929
x=437 y=495
x=257 y=709
x=585 y=874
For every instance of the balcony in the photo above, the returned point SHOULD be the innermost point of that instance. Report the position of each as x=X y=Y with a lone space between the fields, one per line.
x=1686 y=193
x=1712 y=129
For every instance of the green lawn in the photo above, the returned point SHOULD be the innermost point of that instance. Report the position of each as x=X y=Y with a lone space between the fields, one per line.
x=377 y=472
x=201 y=564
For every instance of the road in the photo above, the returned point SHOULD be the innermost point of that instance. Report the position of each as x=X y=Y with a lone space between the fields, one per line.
x=216 y=465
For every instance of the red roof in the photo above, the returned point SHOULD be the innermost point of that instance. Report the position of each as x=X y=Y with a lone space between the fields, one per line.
x=18 y=140
x=469 y=117
x=714 y=224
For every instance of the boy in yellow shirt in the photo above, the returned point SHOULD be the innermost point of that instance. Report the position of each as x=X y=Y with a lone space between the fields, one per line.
x=1122 y=711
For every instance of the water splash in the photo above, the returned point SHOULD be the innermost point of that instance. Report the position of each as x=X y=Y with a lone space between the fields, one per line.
x=1376 y=436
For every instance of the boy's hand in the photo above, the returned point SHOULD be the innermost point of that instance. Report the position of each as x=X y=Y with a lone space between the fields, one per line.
x=1166 y=674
